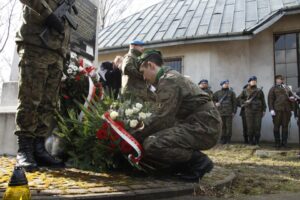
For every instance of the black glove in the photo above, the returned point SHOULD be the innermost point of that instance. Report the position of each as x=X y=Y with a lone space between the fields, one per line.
x=52 y=21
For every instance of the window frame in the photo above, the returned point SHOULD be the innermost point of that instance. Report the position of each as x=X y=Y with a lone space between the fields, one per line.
x=297 y=32
x=169 y=59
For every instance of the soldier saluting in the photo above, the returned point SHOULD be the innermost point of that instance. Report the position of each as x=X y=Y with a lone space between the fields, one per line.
x=42 y=42
x=252 y=99
x=280 y=101
x=225 y=101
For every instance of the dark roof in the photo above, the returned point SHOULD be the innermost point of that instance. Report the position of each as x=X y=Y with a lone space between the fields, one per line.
x=192 y=20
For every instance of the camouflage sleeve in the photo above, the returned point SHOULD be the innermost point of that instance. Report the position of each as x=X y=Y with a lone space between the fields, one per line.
x=39 y=6
x=168 y=102
x=263 y=101
x=129 y=68
x=241 y=99
x=215 y=97
x=234 y=102
x=271 y=99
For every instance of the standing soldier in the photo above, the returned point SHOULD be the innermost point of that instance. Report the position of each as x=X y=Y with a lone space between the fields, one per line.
x=280 y=101
x=253 y=100
x=134 y=86
x=203 y=84
x=42 y=46
x=185 y=122
x=225 y=100
x=243 y=116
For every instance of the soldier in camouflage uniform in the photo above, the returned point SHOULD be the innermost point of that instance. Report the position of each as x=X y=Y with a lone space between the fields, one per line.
x=135 y=87
x=280 y=101
x=253 y=100
x=185 y=121
x=203 y=84
x=225 y=100
x=40 y=72
x=243 y=116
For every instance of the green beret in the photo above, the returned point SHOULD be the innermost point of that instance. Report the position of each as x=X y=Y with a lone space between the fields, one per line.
x=147 y=54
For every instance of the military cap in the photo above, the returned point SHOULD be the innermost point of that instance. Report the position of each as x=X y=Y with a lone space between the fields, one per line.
x=279 y=77
x=137 y=42
x=223 y=82
x=203 y=81
x=146 y=55
x=252 y=78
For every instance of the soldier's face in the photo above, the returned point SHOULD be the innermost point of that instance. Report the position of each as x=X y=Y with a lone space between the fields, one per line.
x=279 y=81
x=203 y=85
x=252 y=83
x=149 y=72
x=225 y=85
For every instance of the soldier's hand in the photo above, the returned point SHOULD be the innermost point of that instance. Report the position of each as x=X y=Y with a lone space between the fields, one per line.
x=218 y=104
x=247 y=102
x=52 y=21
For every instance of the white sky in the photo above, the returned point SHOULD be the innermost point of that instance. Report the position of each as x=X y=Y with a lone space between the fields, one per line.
x=136 y=6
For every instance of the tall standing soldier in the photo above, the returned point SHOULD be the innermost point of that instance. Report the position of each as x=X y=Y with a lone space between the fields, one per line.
x=185 y=121
x=253 y=100
x=40 y=70
x=203 y=84
x=135 y=87
x=280 y=101
x=226 y=102
x=243 y=116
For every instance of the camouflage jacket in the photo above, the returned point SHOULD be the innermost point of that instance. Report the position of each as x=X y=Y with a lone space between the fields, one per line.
x=34 y=16
x=209 y=92
x=278 y=99
x=135 y=85
x=229 y=103
x=177 y=98
x=257 y=104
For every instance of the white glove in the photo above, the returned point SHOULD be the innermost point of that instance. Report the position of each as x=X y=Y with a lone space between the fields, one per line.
x=273 y=112
x=218 y=104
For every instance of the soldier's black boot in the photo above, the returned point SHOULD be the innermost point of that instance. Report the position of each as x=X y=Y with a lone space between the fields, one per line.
x=42 y=157
x=257 y=137
x=251 y=140
x=246 y=141
x=277 y=139
x=199 y=165
x=25 y=158
x=284 y=140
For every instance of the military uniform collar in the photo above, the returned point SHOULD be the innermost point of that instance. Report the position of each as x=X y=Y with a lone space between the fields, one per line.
x=163 y=70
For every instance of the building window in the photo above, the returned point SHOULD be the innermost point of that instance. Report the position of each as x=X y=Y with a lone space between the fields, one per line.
x=286 y=53
x=174 y=63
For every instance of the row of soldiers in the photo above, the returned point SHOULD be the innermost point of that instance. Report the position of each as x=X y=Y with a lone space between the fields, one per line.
x=281 y=102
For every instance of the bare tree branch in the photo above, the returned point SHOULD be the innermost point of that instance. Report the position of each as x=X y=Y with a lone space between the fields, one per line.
x=8 y=28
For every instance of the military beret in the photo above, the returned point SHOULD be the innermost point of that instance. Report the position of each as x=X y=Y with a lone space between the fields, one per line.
x=137 y=42
x=203 y=81
x=147 y=55
x=223 y=82
x=252 y=78
x=279 y=77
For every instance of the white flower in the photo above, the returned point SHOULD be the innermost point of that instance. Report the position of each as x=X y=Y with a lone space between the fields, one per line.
x=133 y=123
x=139 y=105
x=128 y=112
x=148 y=114
x=74 y=67
x=114 y=115
x=69 y=71
x=136 y=110
x=142 y=115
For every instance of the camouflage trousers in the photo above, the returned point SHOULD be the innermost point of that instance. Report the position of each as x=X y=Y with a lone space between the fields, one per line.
x=227 y=126
x=253 y=120
x=200 y=131
x=40 y=73
x=281 y=119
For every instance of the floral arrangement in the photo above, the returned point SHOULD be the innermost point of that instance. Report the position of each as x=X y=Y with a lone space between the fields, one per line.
x=102 y=139
x=78 y=77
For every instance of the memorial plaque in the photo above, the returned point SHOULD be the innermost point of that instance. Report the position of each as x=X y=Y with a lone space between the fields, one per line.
x=84 y=38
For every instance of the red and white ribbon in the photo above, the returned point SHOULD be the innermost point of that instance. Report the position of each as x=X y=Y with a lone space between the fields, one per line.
x=91 y=95
x=127 y=137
